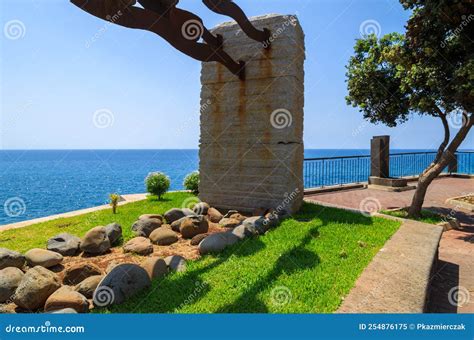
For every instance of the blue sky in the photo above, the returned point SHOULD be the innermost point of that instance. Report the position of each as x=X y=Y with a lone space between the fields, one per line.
x=65 y=66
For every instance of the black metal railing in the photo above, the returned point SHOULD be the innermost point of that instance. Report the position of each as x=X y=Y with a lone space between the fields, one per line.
x=331 y=171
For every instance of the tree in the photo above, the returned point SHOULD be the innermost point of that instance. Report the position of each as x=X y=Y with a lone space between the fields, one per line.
x=429 y=71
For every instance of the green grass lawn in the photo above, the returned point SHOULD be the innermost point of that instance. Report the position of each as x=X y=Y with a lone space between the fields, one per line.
x=305 y=265
x=427 y=216
x=36 y=236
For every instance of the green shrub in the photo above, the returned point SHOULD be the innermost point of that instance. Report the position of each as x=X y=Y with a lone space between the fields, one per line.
x=157 y=183
x=191 y=182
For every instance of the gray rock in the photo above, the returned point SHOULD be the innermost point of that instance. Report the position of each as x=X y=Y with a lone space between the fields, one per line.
x=43 y=257
x=214 y=215
x=163 y=237
x=147 y=216
x=192 y=226
x=243 y=231
x=155 y=267
x=230 y=213
x=63 y=311
x=124 y=281
x=10 y=279
x=66 y=297
x=114 y=232
x=176 y=225
x=176 y=263
x=88 y=286
x=95 y=241
x=64 y=244
x=198 y=238
x=175 y=214
x=10 y=258
x=201 y=208
x=215 y=243
x=35 y=287
x=138 y=245
x=146 y=226
x=79 y=272
x=228 y=222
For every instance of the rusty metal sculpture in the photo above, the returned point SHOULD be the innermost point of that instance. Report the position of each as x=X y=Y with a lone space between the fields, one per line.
x=180 y=28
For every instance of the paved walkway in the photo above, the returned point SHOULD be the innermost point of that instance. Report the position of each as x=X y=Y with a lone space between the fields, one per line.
x=456 y=265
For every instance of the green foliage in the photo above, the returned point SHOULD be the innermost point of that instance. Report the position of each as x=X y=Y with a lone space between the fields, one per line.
x=428 y=69
x=114 y=199
x=191 y=182
x=157 y=183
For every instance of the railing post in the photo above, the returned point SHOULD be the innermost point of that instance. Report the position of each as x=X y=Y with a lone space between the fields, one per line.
x=453 y=165
x=380 y=156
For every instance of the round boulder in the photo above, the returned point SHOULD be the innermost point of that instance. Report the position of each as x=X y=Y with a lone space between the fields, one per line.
x=96 y=241
x=155 y=267
x=66 y=297
x=88 y=286
x=64 y=244
x=201 y=208
x=42 y=257
x=138 y=245
x=10 y=279
x=257 y=223
x=193 y=226
x=79 y=272
x=146 y=226
x=198 y=238
x=114 y=232
x=163 y=237
x=217 y=242
x=10 y=258
x=35 y=287
x=175 y=214
x=214 y=215
x=176 y=263
x=124 y=281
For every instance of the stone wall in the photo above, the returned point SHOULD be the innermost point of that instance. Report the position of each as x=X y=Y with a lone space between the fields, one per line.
x=251 y=145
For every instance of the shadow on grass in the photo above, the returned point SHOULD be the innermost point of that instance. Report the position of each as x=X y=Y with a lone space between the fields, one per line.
x=178 y=290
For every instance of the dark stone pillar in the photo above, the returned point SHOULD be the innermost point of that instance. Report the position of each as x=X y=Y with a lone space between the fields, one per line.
x=380 y=156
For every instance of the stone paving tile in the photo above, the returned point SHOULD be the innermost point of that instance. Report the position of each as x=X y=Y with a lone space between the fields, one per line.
x=456 y=250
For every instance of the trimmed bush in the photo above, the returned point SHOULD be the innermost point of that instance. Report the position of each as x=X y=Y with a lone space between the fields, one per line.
x=157 y=183
x=191 y=182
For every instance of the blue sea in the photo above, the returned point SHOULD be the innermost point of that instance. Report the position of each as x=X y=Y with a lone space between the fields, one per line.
x=41 y=183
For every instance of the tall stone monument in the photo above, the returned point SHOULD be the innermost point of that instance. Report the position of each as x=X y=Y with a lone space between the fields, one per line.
x=251 y=145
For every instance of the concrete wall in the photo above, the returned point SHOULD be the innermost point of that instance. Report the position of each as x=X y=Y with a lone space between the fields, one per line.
x=251 y=146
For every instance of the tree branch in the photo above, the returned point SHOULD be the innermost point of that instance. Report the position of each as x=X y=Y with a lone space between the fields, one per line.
x=445 y=142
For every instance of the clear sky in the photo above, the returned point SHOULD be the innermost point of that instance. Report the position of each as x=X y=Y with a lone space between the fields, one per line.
x=65 y=72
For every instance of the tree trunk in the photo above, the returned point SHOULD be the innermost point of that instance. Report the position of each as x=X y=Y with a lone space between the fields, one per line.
x=436 y=168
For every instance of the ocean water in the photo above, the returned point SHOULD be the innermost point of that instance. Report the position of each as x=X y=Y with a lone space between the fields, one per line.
x=41 y=183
